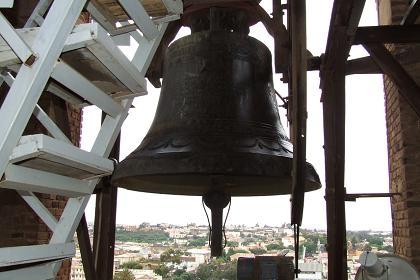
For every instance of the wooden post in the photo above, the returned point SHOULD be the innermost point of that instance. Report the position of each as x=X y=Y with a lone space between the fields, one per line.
x=334 y=139
x=344 y=22
x=86 y=249
x=105 y=224
x=298 y=92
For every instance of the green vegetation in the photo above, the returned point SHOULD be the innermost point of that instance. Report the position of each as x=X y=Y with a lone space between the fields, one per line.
x=131 y=265
x=162 y=270
x=359 y=238
x=124 y=275
x=232 y=244
x=171 y=256
x=199 y=242
x=152 y=236
x=216 y=270
x=232 y=251
x=275 y=247
x=258 y=251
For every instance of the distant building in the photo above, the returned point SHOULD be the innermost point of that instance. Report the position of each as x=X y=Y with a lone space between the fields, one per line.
x=200 y=255
x=290 y=241
x=77 y=272
x=189 y=263
x=236 y=256
x=128 y=257
x=311 y=271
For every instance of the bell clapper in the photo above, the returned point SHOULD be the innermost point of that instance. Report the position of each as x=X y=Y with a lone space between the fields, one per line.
x=216 y=201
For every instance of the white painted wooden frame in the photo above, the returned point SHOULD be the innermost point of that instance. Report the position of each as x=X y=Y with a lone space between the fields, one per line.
x=6 y=3
x=54 y=36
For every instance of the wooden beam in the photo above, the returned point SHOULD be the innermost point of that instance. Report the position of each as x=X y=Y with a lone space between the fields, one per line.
x=391 y=67
x=281 y=46
x=105 y=219
x=345 y=19
x=387 y=34
x=412 y=13
x=363 y=65
x=298 y=94
x=154 y=72
x=86 y=249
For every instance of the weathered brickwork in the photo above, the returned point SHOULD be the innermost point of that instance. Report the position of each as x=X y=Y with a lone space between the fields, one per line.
x=403 y=128
x=19 y=225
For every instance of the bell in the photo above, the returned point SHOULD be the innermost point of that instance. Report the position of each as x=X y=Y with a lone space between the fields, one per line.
x=217 y=125
x=217 y=131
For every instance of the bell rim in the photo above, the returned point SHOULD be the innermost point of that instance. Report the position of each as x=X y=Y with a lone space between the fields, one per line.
x=180 y=176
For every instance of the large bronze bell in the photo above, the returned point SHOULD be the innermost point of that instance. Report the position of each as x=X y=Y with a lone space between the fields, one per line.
x=217 y=125
x=217 y=131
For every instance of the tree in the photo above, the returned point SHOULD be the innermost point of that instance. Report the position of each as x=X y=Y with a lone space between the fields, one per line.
x=162 y=270
x=185 y=276
x=124 y=275
x=275 y=247
x=258 y=251
x=231 y=252
x=232 y=244
x=132 y=265
x=216 y=270
x=200 y=242
x=171 y=256
x=311 y=246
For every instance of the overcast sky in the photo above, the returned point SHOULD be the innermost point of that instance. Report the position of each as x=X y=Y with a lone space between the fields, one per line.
x=366 y=148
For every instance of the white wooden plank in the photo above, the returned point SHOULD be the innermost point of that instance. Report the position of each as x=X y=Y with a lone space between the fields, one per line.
x=27 y=179
x=36 y=253
x=39 y=208
x=43 y=117
x=18 y=45
x=30 y=81
x=116 y=62
x=36 y=16
x=6 y=3
x=65 y=94
x=81 y=36
x=73 y=80
x=146 y=49
x=76 y=206
x=37 y=272
x=43 y=146
x=141 y=18
x=173 y=6
x=50 y=125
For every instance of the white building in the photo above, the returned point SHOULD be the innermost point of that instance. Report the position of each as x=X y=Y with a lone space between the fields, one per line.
x=145 y=274
x=77 y=272
x=310 y=271
x=200 y=255
x=128 y=257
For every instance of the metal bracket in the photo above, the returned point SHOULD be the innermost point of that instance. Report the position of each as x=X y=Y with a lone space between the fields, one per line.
x=354 y=196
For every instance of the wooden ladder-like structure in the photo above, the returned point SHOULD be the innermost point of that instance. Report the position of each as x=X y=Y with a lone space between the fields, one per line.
x=83 y=65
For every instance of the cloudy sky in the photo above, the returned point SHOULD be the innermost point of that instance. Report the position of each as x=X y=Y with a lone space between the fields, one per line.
x=366 y=153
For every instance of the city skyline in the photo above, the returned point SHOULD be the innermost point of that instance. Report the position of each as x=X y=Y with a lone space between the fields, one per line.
x=366 y=156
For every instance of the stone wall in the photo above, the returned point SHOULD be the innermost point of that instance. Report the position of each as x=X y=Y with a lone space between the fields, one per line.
x=403 y=129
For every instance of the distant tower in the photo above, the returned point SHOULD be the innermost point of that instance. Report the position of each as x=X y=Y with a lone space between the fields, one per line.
x=303 y=252
x=318 y=246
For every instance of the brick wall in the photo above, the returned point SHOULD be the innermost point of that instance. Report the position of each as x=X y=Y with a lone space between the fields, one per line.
x=403 y=129
x=19 y=225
